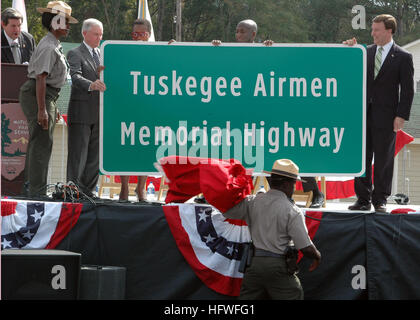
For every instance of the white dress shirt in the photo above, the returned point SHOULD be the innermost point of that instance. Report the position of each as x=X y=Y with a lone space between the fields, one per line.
x=90 y=49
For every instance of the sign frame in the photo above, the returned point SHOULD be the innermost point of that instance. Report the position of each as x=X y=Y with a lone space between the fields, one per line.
x=286 y=45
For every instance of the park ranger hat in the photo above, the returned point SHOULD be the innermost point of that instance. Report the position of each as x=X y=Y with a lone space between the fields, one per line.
x=59 y=7
x=286 y=168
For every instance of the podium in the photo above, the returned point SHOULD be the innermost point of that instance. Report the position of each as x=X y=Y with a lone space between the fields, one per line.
x=14 y=129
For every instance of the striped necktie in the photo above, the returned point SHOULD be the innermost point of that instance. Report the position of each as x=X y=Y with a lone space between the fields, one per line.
x=16 y=52
x=378 y=60
x=95 y=57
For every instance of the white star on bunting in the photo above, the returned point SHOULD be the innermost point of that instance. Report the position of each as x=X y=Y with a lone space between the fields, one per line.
x=203 y=216
x=37 y=215
x=209 y=238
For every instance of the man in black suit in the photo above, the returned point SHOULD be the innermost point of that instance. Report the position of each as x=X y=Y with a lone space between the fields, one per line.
x=17 y=46
x=390 y=91
x=83 y=111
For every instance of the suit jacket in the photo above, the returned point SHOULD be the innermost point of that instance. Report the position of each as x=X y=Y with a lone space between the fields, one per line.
x=27 y=47
x=83 y=104
x=391 y=93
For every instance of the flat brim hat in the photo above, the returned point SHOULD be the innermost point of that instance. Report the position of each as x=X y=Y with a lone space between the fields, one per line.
x=60 y=8
x=286 y=168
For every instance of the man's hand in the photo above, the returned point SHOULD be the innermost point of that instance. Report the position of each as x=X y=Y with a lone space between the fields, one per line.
x=312 y=253
x=268 y=43
x=314 y=265
x=171 y=41
x=100 y=69
x=41 y=87
x=350 y=42
x=398 y=123
x=58 y=116
x=98 y=85
x=216 y=42
x=43 y=118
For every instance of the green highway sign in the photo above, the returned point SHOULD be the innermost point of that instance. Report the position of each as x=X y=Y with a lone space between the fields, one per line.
x=256 y=104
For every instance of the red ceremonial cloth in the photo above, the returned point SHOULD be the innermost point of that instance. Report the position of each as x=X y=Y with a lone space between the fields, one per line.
x=223 y=183
x=402 y=211
x=8 y=208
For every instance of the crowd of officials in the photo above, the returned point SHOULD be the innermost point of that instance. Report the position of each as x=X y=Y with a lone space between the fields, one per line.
x=276 y=223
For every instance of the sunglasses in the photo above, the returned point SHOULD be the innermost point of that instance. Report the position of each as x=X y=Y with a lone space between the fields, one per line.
x=139 y=34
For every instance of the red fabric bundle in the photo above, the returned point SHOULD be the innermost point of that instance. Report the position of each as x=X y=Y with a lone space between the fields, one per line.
x=223 y=183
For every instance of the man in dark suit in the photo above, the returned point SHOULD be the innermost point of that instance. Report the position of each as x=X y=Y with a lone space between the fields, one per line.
x=390 y=91
x=83 y=111
x=17 y=46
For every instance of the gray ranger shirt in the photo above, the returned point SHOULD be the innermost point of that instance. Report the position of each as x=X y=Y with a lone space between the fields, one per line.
x=273 y=221
x=48 y=57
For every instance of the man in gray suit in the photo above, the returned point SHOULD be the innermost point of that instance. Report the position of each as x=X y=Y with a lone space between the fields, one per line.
x=83 y=112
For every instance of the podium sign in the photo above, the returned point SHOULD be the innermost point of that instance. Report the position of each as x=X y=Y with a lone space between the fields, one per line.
x=14 y=129
x=14 y=143
x=253 y=103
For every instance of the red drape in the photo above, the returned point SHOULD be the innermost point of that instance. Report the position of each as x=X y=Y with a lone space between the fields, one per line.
x=223 y=183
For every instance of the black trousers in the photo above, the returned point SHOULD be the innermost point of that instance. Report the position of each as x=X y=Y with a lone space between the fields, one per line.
x=83 y=156
x=267 y=278
x=376 y=186
x=310 y=184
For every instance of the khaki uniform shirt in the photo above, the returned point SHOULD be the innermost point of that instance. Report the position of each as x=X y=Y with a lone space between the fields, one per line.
x=48 y=57
x=273 y=221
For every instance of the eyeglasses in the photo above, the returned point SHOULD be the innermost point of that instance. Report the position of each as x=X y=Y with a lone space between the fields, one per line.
x=139 y=34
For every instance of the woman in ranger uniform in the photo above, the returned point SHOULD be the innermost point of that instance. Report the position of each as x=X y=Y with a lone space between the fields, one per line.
x=47 y=72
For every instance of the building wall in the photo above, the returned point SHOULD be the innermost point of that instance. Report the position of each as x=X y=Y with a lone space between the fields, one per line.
x=415 y=51
x=410 y=156
x=408 y=177
x=407 y=173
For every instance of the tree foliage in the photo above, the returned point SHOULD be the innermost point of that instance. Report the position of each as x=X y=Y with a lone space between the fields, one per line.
x=297 y=21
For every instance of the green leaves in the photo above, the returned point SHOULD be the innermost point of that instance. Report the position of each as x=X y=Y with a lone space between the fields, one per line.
x=320 y=21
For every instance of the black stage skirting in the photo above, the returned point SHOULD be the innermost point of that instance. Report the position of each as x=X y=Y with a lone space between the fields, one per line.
x=364 y=256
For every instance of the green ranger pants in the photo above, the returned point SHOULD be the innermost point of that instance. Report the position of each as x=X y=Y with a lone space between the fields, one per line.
x=267 y=278
x=40 y=143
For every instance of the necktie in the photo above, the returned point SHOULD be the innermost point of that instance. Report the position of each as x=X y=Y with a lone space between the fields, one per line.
x=16 y=52
x=378 y=60
x=95 y=57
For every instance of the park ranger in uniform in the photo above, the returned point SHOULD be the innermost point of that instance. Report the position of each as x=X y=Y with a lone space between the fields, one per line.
x=275 y=223
x=47 y=73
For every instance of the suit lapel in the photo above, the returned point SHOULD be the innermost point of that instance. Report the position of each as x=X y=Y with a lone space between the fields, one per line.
x=5 y=50
x=22 y=47
x=388 y=61
x=371 y=61
x=86 y=54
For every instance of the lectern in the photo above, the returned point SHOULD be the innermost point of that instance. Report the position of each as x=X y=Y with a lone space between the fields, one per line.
x=14 y=129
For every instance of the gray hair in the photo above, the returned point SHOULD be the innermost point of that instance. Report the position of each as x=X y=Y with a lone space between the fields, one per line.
x=89 y=23
x=10 y=13
x=250 y=24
